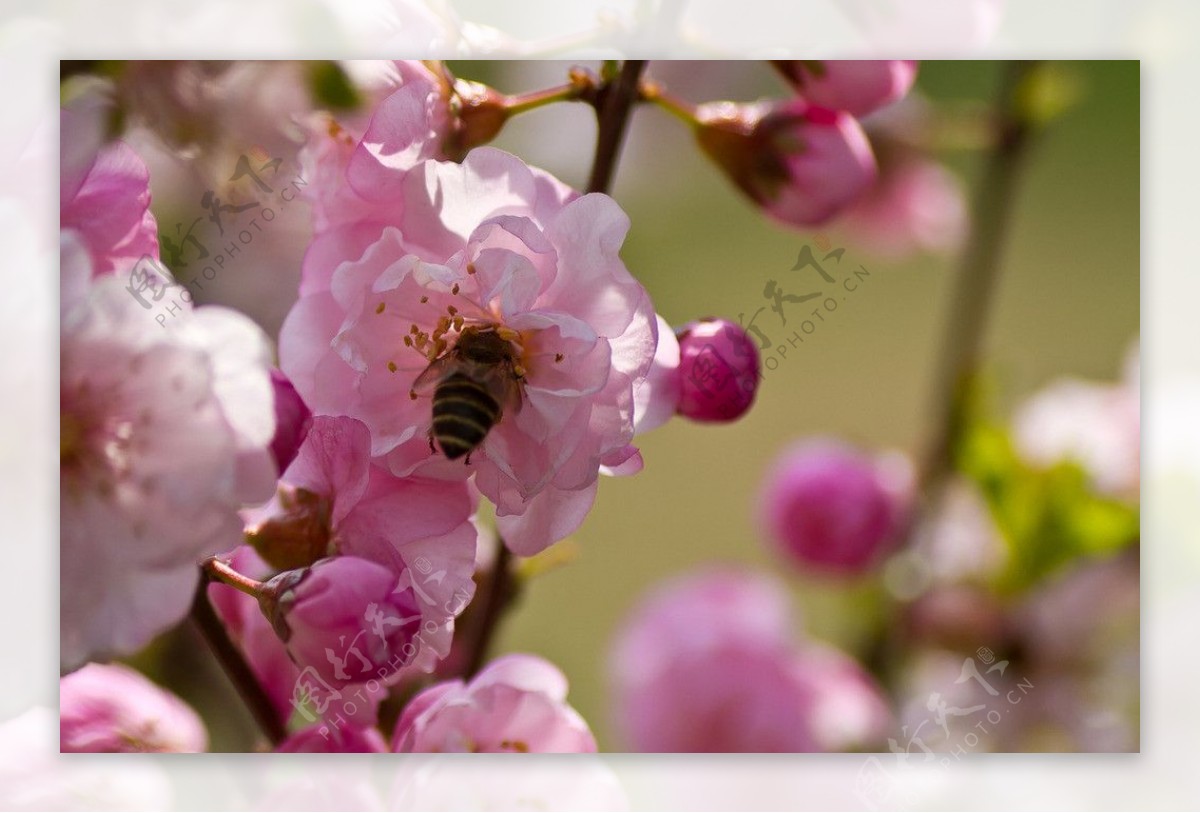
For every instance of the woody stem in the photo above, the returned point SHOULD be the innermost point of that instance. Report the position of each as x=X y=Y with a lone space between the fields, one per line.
x=232 y=661
x=616 y=99
x=501 y=588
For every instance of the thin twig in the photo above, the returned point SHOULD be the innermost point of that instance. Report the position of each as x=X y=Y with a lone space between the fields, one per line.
x=234 y=665
x=965 y=327
x=976 y=281
x=616 y=100
x=501 y=589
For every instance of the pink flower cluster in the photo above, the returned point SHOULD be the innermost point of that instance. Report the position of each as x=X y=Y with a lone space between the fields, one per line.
x=413 y=255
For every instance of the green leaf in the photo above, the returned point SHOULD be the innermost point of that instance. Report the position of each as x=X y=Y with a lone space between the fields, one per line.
x=1048 y=517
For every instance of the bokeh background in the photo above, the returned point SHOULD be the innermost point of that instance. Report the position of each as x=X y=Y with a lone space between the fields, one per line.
x=1067 y=305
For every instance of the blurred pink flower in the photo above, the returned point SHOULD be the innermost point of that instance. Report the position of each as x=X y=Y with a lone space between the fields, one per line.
x=110 y=708
x=707 y=664
x=334 y=739
x=917 y=205
x=718 y=370
x=517 y=703
x=345 y=617
x=858 y=86
x=164 y=434
x=801 y=163
x=830 y=508
x=333 y=501
x=104 y=191
x=489 y=245
x=1095 y=425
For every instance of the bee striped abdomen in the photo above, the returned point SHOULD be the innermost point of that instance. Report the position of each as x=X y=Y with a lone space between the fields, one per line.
x=463 y=413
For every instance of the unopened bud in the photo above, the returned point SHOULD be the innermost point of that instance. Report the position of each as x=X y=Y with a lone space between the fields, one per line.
x=718 y=371
x=801 y=163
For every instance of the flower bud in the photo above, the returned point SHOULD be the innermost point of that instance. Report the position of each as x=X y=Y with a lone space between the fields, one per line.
x=802 y=163
x=292 y=421
x=857 y=86
x=718 y=371
x=346 y=617
x=831 y=508
x=110 y=708
x=297 y=530
x=478 y=113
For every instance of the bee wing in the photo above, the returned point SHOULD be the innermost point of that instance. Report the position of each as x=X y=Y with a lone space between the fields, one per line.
x=429 y=378
x=502 y=384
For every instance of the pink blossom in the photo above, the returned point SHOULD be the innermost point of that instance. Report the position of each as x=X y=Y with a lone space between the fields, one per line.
x=517 y=703
x=707 y=664
x=358 y=172
x=858 y=86
x=802 y=163
x=489 y=245
x=334 y=739
x=104 y=192
x=292 y=420
x=333 y=501
x=917 y=205
x=111 y=708
x=831 y=508
x=164 y=434
x=346 y=618
x=718 y=371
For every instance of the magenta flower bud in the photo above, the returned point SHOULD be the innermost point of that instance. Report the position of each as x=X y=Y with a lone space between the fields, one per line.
x=347 y=618
x=292 y=421
x=830 y=508
x=718 y=371
x=110 y=708
x=857 y=86
x=334 y=738
x=801 y=163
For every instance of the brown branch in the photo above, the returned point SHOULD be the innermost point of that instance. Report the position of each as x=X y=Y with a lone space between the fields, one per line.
x=970 y=305
x=500 y=591
x=616 y=99
x=234 y=665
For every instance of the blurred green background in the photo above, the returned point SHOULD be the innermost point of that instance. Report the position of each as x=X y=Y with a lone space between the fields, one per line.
x=1067 y=304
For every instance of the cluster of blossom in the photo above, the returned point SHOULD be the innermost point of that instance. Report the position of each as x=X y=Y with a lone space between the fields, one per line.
x=339 y=518
x=180 y=437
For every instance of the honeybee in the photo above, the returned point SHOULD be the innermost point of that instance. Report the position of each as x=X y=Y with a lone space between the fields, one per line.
x=474 y=383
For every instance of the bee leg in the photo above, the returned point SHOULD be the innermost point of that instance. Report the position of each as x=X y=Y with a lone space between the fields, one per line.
x=467 y=462
x=432 y=448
